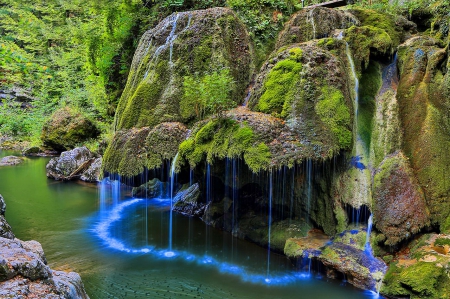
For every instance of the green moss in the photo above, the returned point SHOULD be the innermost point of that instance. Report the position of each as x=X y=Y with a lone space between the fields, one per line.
x=423 y=278
x=355 y=240
x=391 y=282
x=442 y=242
x=370 y=83
x=330 y=255
x=334 y=113
x=365 y=39
x=292 y=249
x=258 y=157
x=279 y=86
x=221 y=138
x=341 y=217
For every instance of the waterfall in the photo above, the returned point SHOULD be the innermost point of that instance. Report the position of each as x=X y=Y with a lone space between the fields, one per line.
x=308 y=186
x=368 y=248
x=172 y=186
x=311 y=19
x=270 y=223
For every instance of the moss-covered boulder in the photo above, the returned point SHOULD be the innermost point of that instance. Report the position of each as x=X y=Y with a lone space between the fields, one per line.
x=133 y=150
x=423 y=272
x=66 y=129
x=312 y=23
x=399 y=205
x=345 y=254
x=307 y=86
x=424 y=103
x=195 y=43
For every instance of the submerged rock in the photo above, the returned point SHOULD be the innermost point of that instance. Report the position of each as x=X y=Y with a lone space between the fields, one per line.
x=10 y=161
x=73 y=164
x=151 y=189
x=66 y=129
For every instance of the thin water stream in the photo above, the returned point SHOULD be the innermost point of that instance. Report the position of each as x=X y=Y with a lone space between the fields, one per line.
x=79 y=231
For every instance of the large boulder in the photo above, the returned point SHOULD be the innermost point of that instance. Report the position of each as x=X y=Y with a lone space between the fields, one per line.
x=66 y=129
x=94 y=172
x=399 y=208
x=23 y=271
x=183 y=44
x=71 y=164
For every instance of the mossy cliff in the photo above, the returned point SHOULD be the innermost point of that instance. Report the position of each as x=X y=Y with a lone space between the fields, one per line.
x=424 y=103
x=186 y=43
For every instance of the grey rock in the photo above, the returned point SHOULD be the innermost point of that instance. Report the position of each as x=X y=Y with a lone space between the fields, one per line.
x=151 y=189
x=10 y=160
x=92 y=174
x=2 y=206
x=188 y=202
x=35 y=247
x=70 y=164
x=32 y=151
x=16 y=260
x=5 y=228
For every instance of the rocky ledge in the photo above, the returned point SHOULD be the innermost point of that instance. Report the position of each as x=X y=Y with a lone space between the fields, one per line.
x=24 y=272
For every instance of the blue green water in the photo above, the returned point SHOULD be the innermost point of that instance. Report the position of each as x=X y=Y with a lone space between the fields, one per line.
x=65 y=218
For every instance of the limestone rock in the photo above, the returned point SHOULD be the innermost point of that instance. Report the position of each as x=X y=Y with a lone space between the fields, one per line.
x=312 y=23
x=71 y=164
x=185 y=43
x=93 y=173
x=10 y=161
x=399 y=209
x=423 y=97
x=66 y=129
x=151 y=189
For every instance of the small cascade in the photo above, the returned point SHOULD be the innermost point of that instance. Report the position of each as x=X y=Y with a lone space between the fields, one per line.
x=168 y=43
x=172 y=187
x=313 y=24
x=247 y=97
x=368 y=248
x=309 y=185
x=270 y=224
x=208 y=183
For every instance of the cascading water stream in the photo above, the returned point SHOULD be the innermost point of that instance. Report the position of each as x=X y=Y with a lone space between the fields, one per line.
x=270 y=224
x=368 y=248
x=172 y=187
x=311 y=19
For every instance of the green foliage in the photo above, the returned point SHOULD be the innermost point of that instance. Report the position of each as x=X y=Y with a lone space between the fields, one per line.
x=209 y=94
x=279 y=88
x=442 y=242
x=67 y=53
x=221 y=138
x=335 y=114
x=264 y=19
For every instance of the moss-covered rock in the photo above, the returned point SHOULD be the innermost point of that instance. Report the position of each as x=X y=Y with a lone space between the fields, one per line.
x=186 y=43
x=423 y=273
x=66 y=129
x=134 y=150
x=399 y=205
x=312 y=23
x=424 y=101
x=307 y=86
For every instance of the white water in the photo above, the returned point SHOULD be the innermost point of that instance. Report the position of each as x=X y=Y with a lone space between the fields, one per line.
x=311 y=19
x=369 y=230
x=172 y=186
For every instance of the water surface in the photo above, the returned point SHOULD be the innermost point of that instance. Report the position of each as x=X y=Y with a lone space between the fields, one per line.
x=65 y=217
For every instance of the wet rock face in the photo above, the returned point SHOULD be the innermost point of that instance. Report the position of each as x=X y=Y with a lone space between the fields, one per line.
x=400 y=210
x=152 y=188
x=189 y=202
x=186 y=43
x=5 y=228
x=318 y=22
x=79 y=162
x=66 y=129
x=10 y=161
x=424 y=99
x=93 y=173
